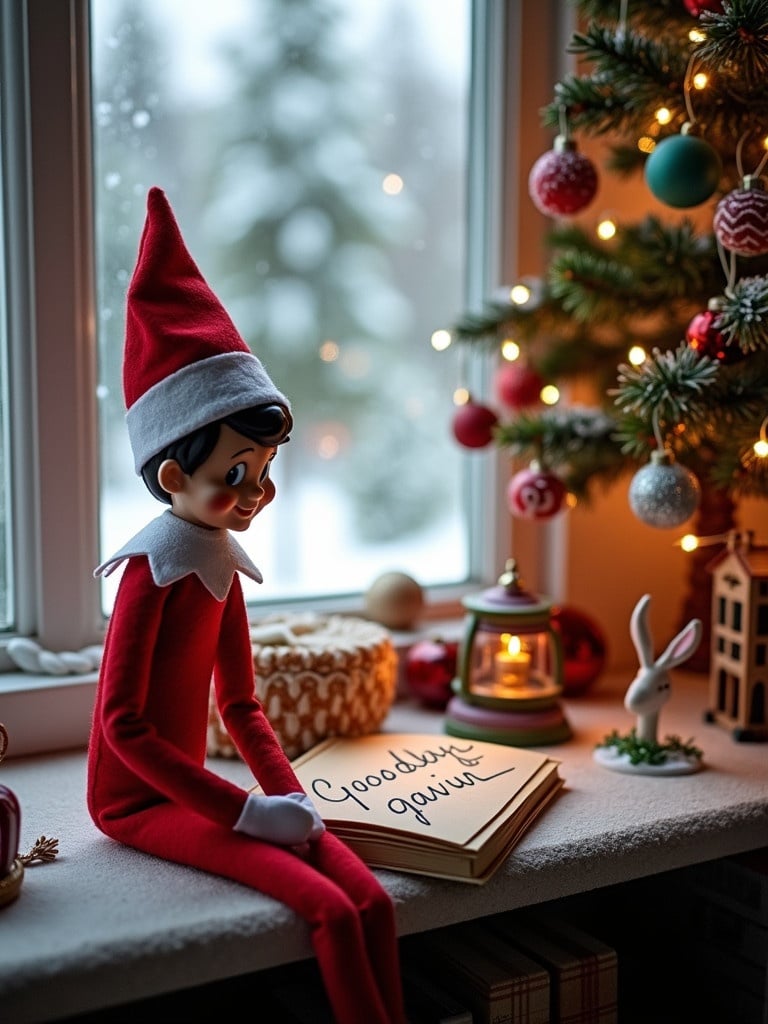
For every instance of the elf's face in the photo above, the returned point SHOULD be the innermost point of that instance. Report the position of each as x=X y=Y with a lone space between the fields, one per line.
x=228 y=489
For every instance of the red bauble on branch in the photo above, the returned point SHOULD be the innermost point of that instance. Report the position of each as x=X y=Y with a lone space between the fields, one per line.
x=741 y=219
x=695 y=7
x=535 y=493
x=473 y=425
x=703 y=337
x=563 y=181
x=518 y=385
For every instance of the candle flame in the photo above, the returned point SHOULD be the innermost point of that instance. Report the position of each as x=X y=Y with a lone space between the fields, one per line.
x=513 y=643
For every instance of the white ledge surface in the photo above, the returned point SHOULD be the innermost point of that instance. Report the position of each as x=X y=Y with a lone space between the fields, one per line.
x=104 y=925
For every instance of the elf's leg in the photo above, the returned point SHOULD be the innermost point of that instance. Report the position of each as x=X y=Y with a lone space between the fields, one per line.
x=377 y=915
x=336 y=928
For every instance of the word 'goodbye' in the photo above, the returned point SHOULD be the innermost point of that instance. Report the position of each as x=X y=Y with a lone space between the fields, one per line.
x=405 y=763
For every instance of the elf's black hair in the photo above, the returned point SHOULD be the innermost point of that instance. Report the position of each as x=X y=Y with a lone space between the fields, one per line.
x=268 y=425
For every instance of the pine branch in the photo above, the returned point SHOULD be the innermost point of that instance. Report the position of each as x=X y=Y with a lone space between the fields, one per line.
x=738 y=39
x=642 y=288
x=743 y=319
x=666 y=386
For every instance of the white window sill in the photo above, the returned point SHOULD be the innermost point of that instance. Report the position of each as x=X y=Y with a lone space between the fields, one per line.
x=46 y=713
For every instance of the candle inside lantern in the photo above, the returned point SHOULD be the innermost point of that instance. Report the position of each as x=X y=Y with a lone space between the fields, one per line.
x=511 y=663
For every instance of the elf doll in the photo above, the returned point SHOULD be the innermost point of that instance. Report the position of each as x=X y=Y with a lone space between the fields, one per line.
x=205 y=422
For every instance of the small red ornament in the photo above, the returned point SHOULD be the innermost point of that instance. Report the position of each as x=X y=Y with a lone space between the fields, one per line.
x=473 y=425
x=430 y=668
x=584 y=646
x=518 y=385
x=534 y=493
x=695 y=7
x=741 y=219
x=563 y=181
x=703 y=337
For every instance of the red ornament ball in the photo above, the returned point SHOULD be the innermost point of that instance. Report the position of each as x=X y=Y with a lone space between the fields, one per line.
x=703 y=337
x=695 y=7
x=585 y=648
x=473 y=425
x=534 y=493
x=741 y=220
x=518 y=385
x=563 y=181
x=430 y=668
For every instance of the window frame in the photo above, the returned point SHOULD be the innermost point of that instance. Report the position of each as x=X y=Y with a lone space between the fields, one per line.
x=47 y=175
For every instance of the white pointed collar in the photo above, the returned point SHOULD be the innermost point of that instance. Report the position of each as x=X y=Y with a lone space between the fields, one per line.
x=176 y=548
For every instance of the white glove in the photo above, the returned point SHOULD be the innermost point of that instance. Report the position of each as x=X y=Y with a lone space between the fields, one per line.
x=318 y=826
x=277 y=819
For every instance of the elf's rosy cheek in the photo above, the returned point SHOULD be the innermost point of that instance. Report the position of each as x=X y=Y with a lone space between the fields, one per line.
x=220 y=502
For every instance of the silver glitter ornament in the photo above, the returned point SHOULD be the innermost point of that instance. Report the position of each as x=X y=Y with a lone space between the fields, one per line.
x=664 y=493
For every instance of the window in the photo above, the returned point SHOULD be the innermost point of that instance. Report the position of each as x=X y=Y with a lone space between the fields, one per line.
x=736 y=616
x=315 y=155
x=56 y=349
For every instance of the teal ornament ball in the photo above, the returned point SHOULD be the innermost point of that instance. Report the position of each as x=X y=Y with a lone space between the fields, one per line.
x=683 y=170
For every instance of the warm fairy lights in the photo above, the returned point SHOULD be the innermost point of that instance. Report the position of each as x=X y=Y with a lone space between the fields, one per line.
x=606 y=229
x=690 y=542
x=700 y=81
x=441 y=340
x=549 y=395
x=460 y=396
x=510 y=350
x=519 y=294
x=637 y=355
x=663 y=115
x=760 y=447
x=646 y=144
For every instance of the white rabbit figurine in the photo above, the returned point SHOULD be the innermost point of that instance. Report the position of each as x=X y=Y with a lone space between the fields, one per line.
x=648 y=692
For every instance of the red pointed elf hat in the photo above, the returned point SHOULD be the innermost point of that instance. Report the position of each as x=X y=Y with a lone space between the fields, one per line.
x=185 y=364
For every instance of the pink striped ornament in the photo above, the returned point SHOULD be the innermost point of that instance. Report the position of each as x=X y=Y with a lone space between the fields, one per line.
x=741 y=219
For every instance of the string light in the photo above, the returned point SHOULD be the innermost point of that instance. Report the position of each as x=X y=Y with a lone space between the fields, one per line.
x=637 y=355
x=510 y=350
x=460 y=396
x=663 y=115
x=549 y=394
x=441 y=340
x=700 y=81
x=519 y=294
x=606 y=229
x=760 y=447
x=690 y=542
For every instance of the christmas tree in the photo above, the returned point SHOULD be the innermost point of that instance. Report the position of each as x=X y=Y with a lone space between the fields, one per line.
x=668 y=317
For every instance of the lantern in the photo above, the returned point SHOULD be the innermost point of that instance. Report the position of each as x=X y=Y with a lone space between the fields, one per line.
x=510 y=669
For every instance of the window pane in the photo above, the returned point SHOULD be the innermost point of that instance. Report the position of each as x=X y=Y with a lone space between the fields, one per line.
x=6 y=579
x=315 y=154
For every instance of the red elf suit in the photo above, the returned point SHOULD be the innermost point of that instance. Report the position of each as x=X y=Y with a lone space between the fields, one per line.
x=179 y=621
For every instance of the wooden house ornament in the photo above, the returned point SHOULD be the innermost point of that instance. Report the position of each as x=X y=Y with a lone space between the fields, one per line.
x=738 y=673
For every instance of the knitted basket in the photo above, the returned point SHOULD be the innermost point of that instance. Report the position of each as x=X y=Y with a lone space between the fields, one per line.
x=316 y=677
